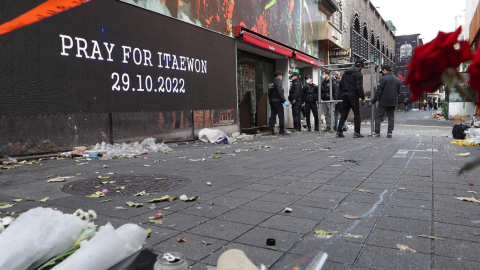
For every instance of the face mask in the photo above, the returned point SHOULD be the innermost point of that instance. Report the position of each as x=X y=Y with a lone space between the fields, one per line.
x=323 y=77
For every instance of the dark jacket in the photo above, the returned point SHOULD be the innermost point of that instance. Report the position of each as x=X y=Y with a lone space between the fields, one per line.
x=352 y=84
x=326 y=89
x=310 y=93
x=275 y=92
x=296 y=92
x=336 y=96
x=388 y=91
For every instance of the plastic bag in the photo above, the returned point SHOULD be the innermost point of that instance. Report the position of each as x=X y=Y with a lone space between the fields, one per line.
x=211 y=135
x=36 y=236
x=107 y=248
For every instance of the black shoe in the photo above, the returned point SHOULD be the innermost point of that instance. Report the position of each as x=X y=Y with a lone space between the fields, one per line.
x=316 y=129
x=389 y=135
x=357 y=135
x=273 y=133
x=340 y=135
x=335 y=128
x=309 y=130
x=344 y=129
x=284 y=133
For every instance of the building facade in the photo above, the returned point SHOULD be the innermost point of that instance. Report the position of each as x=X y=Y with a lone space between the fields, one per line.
x=472 y=21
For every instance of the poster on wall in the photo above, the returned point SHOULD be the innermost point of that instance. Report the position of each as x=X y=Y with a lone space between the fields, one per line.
x=404 y=46
x=291 y=22
x=91 y=59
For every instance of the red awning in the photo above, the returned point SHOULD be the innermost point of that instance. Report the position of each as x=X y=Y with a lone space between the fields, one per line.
x=260 y=41
x=306 y=58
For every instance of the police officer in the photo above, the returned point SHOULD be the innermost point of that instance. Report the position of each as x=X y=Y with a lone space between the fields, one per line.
x=276 y=98
x=326 y=97
x=387 y=96
x=351 y=90
x=310 y=96
x=295 y=97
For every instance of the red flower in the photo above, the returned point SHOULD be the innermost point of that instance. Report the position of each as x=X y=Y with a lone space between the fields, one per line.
x=474 y=71
x=432 y=59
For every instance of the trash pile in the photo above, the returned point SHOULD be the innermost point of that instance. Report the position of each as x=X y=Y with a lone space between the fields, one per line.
x=466 y=135
x=124 y=150
x=207 y=135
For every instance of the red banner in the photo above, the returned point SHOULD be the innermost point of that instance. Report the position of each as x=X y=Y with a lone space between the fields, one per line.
x=43 y=11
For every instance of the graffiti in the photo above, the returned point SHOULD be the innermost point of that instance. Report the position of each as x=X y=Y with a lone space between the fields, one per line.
x=291 y=22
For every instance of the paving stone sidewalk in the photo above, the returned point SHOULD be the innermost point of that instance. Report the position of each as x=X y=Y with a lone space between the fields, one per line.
x=399 y=189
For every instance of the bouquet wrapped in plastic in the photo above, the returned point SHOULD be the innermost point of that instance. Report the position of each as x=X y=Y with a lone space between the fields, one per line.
x=36 y=236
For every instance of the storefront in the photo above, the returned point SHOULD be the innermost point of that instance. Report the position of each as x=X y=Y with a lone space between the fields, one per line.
x=258 y=57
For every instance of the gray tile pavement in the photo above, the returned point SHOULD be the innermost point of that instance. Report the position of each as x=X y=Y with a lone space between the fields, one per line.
x=244 y=206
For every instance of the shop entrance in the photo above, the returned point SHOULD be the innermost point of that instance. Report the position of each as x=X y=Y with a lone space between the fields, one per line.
x=254 y=74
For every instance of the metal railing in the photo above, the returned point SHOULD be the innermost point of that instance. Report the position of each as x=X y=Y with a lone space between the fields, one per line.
x=362 y=48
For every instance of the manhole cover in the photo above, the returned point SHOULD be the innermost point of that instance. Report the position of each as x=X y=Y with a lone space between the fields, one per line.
x=126 y=185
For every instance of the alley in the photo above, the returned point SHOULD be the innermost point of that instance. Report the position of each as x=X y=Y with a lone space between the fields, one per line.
x=374 y=195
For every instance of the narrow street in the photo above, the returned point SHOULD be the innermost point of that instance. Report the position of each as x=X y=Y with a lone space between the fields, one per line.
x=371 y=194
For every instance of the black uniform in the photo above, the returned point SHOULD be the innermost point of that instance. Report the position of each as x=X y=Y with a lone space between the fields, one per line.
x=295 y=98
x=310 y=96
x=351 y=90
x=387 y=94
x=276 y=99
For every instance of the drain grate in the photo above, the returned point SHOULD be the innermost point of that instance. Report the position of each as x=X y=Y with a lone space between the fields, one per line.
x=127 y=185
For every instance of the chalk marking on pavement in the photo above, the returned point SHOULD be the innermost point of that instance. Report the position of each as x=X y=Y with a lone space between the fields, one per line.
x=402 y=153
x=355 y=224
x=383 y=210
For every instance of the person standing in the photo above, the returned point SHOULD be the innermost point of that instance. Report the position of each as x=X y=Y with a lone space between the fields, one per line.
x=425 y=104
x=338 y=107
x=387 y=94
x=405 y=102
x=276 y=98
x=436 y=103
x=295 y=98
x=325 y=95
x=351 y=90
x=310 y=96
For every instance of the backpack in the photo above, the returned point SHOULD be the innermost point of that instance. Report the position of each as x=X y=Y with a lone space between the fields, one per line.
x=459 y=131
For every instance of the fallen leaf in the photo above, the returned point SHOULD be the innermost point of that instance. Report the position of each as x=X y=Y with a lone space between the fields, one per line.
x=181 y=240
x=336 y=165
x=364 y=191
x=216 y=157
x=132 y=204
x=5 y=205
x=44 y=199
x=468 y=199
x=146 y=165
x=431 y=237
x=159 y=199
x=118 y=188
x=207 y=243
x=17 y=200
x=351 y=217
x=141 y=193
x=95 y=195
x=405 y=248
x=322 y=232
x=79 y=173
x=186 y=199
x=287 y=210
x=402 y=188
x=120 y=208
x=463 y=154
x=50 y=176
x=171 y=199
x=159 y=222
x=208 y=183
x=104 y=201
x=59 y=179
x=471 y=191
x=160 y=178
x=149 y=231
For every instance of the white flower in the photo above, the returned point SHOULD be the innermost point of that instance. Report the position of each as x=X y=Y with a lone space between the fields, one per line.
x=6 y=221
x=92 y=214
x=78 y=213
x=85 y=216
